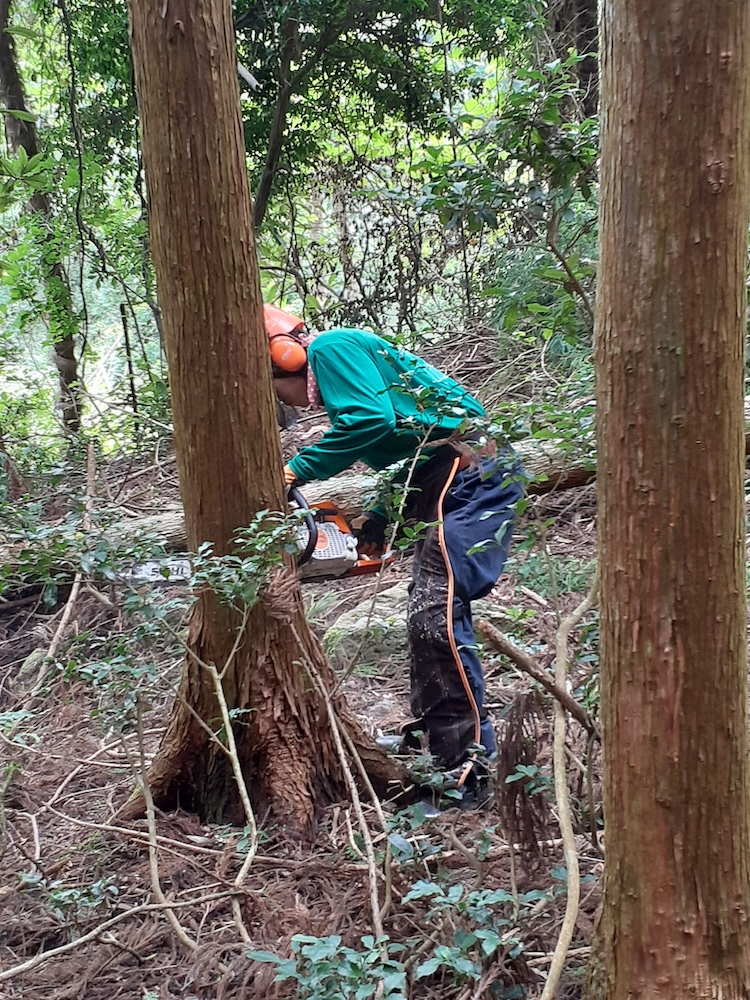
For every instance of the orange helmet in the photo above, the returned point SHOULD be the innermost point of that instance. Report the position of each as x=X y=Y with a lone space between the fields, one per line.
x=287 y=353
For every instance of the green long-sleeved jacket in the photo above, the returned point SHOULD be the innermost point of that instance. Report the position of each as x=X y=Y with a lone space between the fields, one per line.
x=382 y=402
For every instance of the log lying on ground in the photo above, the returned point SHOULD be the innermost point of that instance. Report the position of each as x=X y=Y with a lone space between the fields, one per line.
x=548 y=468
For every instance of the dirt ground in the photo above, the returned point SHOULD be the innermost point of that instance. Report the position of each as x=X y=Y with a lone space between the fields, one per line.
x=79 y=891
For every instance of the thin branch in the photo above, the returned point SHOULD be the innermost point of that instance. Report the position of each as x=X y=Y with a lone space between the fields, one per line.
x=353 y=791
x=230 y=750
x=153 y=856
x=563 y=261
x=388 y=862
x=77 y=580
x=288 y=83
x=234 y=758
x=562 y=798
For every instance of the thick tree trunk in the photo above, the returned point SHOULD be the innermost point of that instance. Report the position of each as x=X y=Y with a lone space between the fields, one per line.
x=284 y=738
x=61 y=314
x=670 y=327
x=226 y=440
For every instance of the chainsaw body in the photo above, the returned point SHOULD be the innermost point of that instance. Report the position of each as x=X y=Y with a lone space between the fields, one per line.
x=327 y=551
x=328 y=546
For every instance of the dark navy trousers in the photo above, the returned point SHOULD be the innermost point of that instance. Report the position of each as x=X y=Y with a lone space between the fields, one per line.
x=458 y=561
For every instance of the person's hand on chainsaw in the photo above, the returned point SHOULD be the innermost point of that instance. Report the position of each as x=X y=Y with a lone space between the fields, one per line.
x=289 y=477
x=370 y=535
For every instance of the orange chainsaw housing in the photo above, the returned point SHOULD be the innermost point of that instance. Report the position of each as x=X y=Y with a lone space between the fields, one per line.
x=328 y=513
x=327 y=545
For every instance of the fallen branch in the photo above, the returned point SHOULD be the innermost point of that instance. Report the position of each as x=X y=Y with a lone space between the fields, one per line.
x=549 y=468
x=526 y=663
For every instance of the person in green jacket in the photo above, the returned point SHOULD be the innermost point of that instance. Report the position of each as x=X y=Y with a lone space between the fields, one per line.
x=388 y=406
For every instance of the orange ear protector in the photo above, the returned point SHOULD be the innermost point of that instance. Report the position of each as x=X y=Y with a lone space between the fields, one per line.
x=287 y=353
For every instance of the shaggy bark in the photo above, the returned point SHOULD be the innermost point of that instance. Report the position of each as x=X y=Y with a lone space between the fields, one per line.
x=226 y=440
x=670 y=365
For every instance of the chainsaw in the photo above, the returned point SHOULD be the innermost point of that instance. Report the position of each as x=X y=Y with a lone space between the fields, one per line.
x=327 y=550
x=328 y=545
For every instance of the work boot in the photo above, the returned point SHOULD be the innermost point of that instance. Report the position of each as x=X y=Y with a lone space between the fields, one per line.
x=466 y=787
x=391 y=744
x=408 y=740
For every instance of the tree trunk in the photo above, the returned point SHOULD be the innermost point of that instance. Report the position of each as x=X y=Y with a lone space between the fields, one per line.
x=670 y=327
x=63 y=324
x=573 y=25
x=14 y=481
x=289 y=83
x=226 y=440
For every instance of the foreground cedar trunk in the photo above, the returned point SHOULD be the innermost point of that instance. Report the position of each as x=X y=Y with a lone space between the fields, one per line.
x=670 y=327
x=226 y=440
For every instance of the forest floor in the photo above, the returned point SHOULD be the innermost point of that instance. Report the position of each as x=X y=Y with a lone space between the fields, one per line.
x=472 y=901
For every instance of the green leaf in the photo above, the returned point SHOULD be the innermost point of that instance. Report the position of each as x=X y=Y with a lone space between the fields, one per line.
x=455 y=893
x=264 y=956
x=22 y=116
x=29 y=33
x=465 y=939
x=496 y=896
x=421 y=889
x=427 y=968
x=490 y=940
x=394 y=982
x=401 y=845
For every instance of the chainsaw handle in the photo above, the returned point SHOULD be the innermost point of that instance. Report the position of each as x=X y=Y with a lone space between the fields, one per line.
x=312 y=526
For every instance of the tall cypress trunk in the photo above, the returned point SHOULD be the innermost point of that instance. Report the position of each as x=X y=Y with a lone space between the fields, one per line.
x=226 y=439
x=670 y=364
